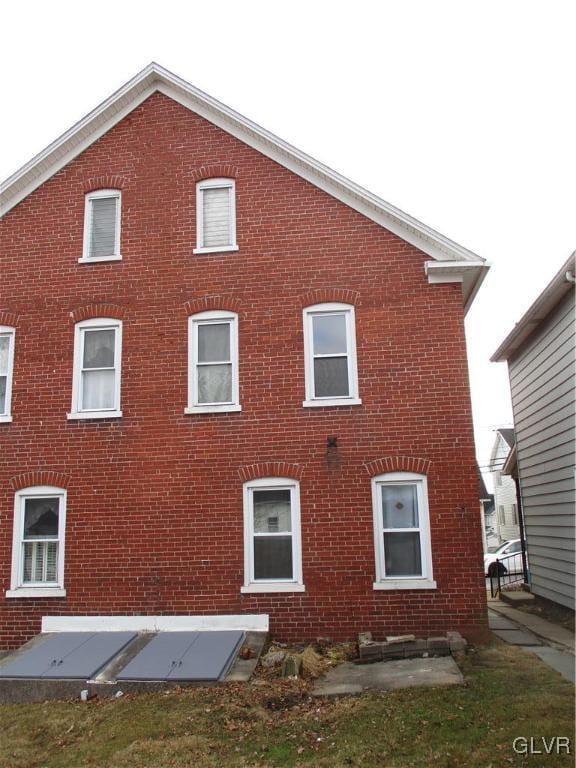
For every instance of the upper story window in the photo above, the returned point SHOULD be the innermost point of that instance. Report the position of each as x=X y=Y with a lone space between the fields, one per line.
x=330 y=355
x=38 y=543
x=213 y=362
x=6 y=369
x=97 y=367
x=215 y=216
x=272 y=548
x=402 y=532
x=102 y=226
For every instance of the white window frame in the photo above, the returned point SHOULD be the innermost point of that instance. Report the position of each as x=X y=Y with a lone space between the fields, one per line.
x=17 y=586
x=309 y=313
x=98 y=194
x=208 y=318
x=97 y=323
x=295 y=584
x=426 y=581
x=6 y=330
x=229 y=184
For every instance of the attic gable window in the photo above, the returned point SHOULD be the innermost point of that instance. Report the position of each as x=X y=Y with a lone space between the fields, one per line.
x=215 y=216
x=102 y=226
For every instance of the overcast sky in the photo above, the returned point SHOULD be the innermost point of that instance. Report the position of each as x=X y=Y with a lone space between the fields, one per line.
x=461 y=113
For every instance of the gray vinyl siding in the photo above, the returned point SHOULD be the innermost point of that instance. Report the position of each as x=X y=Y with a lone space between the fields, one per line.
x=542 y=382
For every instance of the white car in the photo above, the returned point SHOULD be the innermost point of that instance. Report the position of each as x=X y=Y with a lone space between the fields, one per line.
x=510 y=555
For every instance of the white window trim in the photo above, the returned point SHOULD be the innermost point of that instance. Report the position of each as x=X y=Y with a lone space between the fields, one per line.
x=311 y=400
x=277 y=585
x=211 y=184
x=95 y=323
x=116 y=256
x=17 y=588
x=205 y=318
x=7 y=330
x=425 y=581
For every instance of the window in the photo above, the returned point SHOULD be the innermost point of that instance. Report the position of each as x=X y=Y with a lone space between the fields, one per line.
x=514 y=514
x=38 y=543
x=501 y=515
x=213 y=363
x=402 y=532
x=97 y=363
x=330 y=355
x=6 y=368
x=102 y=226
x=215 y=216
x=272 y=549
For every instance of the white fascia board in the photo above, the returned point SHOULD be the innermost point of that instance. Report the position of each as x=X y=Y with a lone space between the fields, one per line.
x=470 y=275
x=244 y=622
x=155 y=77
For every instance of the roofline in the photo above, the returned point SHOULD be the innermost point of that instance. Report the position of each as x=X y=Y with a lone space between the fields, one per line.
x=554 y=292
x=155 y=78
x=511 y=462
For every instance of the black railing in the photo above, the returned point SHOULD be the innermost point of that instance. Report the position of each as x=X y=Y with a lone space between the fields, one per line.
x=505 y=570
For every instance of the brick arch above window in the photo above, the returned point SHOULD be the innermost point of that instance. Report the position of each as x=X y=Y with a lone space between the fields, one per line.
x=104 y=182
x=210 y=303
x=45 y=477
x=9 y=318
x=97 y=310
x=214 y=171
x=329 y=295
x=397 y=464
x=270 y=469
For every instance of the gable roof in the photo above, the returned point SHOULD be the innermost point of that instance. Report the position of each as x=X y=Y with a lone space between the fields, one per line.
x=451 y=262
x=508 y=435
x=551 y=296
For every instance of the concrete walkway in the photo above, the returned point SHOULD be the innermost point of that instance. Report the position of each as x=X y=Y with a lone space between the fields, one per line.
x=550 y=642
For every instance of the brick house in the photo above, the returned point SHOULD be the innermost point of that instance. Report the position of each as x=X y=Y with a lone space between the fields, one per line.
x=231 y=382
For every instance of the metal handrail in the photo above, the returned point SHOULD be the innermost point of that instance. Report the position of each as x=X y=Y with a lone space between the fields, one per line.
x=501 y=576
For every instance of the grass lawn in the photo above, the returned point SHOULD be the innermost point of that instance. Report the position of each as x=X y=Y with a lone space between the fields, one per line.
x=509 y=693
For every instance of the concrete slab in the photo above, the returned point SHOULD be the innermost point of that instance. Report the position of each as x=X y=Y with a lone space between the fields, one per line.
x=552 y=633
x=516 y=637
x=500 y=622
x=561 y=661
x=389 y=675
x=242 y=669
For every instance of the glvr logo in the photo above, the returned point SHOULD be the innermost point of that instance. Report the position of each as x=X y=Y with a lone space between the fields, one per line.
x=555 y=745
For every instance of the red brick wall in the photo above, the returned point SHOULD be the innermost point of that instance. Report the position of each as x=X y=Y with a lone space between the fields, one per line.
x=154 y=518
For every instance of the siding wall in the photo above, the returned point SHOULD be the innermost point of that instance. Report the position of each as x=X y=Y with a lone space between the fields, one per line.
x=542 y=383
x=504 y=493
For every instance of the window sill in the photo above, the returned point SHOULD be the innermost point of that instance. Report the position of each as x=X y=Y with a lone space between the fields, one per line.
x=213 y=409
x=404 y=584
x=220 y=249
x=36 y=592
x=272 y=587
x=6 y=419
x=331 y=402
x=98 y=259
x=94 y=415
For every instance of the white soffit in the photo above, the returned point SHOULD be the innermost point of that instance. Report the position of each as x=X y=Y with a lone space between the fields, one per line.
x=155 y=78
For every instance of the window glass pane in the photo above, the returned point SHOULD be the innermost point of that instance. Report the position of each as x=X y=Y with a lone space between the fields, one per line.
x=40 y=561
x=331 y=377
x=402 y=554
x=99 y=348
x=399 y=506
x=216 y=210
x=515 y=547
x=3 y=382
x=103 y=229
x=213 y=342
x=272 y=511
x=214 y=383
x=41 y=518
x=4 y=344
x=273 y=557
x=98 y=390
x=329 y=334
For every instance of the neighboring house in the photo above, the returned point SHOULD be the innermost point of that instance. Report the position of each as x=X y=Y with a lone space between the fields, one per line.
x=233 y=382
x=540 y=356
x=487 y=515
x=505 y=501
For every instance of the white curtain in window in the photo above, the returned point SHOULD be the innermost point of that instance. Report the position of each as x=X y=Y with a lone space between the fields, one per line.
x=103 y=226
x=216 y=216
